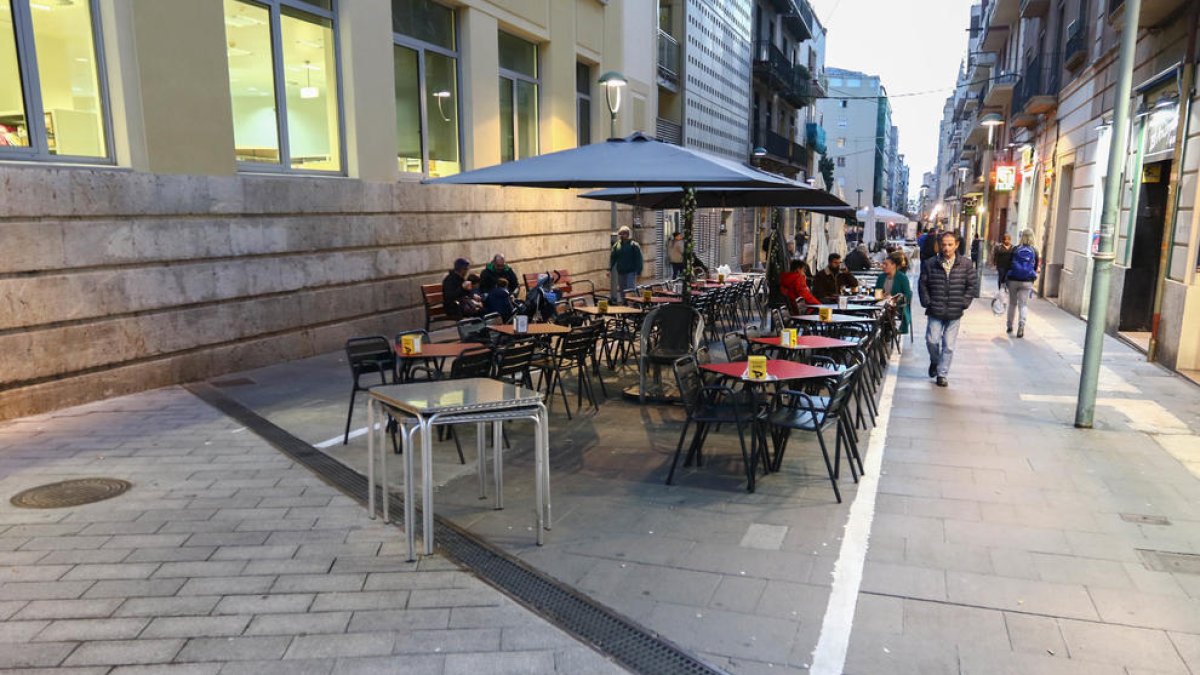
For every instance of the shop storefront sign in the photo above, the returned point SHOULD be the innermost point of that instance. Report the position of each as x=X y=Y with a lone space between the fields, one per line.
x=1006 y=178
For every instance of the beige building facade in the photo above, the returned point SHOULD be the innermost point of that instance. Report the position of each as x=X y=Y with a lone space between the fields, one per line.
x=194 y=188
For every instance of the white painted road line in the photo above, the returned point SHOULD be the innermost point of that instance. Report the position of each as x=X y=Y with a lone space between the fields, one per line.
x=829 y=656
x=338 y=439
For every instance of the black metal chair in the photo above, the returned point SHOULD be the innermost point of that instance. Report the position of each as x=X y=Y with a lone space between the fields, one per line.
x=796 y=410
x=512 y=361
x=573 y=354
x=367 y=355
x=408 y=370
x=735 y=348
x=668 y=332
x=707 y=405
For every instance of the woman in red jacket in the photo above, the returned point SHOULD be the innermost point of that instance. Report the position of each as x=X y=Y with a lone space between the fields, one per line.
x=794 y=285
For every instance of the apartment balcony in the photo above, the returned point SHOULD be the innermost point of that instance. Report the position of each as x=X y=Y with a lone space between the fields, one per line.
x=997 y=23
x=1037 y=92
x=1075 y=51
x=1034 y=8
x=771 y=66
x=797 y=17
x=800 y=92
x=1001 y=90
x=668 y=61
x=1154 y=12
x=980 y=69
x=970 y=102
x=783 y=155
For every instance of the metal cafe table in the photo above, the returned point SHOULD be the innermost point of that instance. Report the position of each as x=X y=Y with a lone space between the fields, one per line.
x=778 y=372
x=803 y=343
x=419 y=407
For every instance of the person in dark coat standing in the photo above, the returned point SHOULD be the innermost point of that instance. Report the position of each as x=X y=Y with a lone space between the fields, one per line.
x=947 y=286
x=1002 y=258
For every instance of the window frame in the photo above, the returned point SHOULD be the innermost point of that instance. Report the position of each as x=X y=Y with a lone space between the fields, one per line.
x=580 y=97
x=420 y=47
x=30 y=82
x=516 y=76
x=284 y=165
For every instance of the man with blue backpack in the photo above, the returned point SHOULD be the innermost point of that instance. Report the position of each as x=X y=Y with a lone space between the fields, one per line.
x=1022 y=272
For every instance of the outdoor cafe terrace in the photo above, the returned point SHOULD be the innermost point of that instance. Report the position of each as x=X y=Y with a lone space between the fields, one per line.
x=679 y=515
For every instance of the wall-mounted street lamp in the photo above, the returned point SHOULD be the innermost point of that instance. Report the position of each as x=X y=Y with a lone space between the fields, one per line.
x=613 y=83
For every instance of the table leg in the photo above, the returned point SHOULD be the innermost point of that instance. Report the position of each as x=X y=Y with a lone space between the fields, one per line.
x=481 y=466
x=498 y=461
x=371 y=457
x=544 y=414
x=409 y=497
x=427 y=485
x=383 y=472
x=539 y=483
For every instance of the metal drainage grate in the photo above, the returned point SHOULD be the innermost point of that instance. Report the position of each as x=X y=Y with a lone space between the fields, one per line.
x=1169 y=561
x=1143 y=519
x=613 y=635
x=70 y=493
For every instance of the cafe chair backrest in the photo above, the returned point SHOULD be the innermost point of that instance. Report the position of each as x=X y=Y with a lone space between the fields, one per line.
x=472 y=363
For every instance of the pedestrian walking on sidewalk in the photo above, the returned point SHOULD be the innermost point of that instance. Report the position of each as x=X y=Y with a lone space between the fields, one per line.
x=1022 y=272
x=1002 y=259
x=625 y=262
x=947 y=286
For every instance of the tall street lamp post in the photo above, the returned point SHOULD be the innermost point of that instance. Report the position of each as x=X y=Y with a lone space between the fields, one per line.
x=613 y=83
x=857 y=208
x=1102 y=255
x=991 y=121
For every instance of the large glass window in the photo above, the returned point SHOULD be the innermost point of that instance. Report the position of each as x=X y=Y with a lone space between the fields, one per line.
x=518 y=98
x=583 y=99
x=282 y=58
x=426 y=64
x=52 y=101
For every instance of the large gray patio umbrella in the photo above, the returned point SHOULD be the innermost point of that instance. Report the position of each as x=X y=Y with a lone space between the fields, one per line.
x=637 y=161
x=795 y=195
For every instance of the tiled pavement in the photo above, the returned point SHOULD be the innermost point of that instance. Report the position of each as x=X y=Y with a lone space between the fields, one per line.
x=228 y=557
x=1004 y=541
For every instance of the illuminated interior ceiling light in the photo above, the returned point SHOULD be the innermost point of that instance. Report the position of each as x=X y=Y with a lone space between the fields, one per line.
x=311 y=44
x=440 y=96
x=309 y=91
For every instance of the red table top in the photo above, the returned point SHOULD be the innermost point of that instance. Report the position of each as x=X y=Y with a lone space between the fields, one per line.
x=836 y=318
x=805 y=342
x=777 y=370
x=534 y=329
x=438 y=350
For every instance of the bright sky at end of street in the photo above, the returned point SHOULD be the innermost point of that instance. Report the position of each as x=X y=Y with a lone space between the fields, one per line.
x=914 y=47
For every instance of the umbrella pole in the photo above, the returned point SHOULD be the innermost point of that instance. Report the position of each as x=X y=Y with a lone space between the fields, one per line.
x=688 y=211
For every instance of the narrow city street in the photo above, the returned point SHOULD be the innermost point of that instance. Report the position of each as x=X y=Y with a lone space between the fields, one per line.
x=1001 y=539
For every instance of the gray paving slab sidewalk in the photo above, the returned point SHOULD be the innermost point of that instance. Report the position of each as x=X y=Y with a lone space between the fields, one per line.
x=226 y=556
x=1007 y=541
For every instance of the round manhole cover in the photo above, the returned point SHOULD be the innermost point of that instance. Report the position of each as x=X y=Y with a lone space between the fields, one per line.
x=70 y=493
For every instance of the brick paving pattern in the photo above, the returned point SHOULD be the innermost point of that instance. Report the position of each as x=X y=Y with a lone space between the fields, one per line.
x=228 y=557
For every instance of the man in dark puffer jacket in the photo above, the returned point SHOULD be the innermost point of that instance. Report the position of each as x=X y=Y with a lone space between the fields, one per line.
x=948 y=284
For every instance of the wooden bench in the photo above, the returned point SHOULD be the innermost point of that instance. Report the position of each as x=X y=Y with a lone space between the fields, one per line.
x=435 y=308
x=565 y=284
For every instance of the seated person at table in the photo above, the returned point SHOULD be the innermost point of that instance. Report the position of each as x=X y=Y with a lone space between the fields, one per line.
x=894 y=281
x=499 y=300
x=858 y=260
x=494 y=271
x=829 y=282
x=459 y=296
x=539 y=304
x=794 y=286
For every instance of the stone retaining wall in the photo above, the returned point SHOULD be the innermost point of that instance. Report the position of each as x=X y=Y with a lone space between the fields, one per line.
x=113 y=281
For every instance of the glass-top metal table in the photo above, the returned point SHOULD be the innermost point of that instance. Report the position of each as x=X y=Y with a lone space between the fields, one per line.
x=418 y=407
